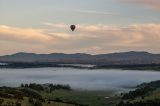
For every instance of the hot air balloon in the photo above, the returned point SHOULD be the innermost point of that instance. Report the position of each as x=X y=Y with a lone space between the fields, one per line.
x=73 y=27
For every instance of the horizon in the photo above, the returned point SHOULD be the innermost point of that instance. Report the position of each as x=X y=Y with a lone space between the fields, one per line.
x=80 y=53
x=103 y=26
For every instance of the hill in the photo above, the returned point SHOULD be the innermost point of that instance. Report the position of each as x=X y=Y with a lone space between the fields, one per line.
x=123 y=58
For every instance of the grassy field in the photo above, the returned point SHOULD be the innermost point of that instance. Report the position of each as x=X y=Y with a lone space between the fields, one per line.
x=89 y=98
x=57 y=97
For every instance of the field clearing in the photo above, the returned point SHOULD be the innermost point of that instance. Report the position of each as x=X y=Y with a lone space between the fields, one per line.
x=91 y=98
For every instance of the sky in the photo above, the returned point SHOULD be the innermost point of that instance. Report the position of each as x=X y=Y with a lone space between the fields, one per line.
x=102 y=26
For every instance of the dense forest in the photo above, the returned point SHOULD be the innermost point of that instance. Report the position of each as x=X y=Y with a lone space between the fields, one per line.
x=95 y=66
x=147 y=94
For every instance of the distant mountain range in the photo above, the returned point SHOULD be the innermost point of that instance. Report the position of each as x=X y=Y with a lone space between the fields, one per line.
x=122 y=58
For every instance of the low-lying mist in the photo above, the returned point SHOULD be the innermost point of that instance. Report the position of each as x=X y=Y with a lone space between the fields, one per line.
x=82 y=79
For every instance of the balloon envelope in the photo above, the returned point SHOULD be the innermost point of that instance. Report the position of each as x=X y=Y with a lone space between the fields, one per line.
x=73 y=27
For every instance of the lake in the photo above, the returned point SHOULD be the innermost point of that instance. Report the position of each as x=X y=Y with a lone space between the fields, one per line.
x=85 y=79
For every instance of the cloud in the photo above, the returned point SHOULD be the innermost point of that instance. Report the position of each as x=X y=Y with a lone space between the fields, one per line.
x=109 y=38
x=153 y=4
x=61 y=25
x=86 y=38
x=23 y=34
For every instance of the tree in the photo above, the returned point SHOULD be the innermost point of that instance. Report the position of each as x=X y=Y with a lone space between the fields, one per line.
x=22 y=85
x=26 y=85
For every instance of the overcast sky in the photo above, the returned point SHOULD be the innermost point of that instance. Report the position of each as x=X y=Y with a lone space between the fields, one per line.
x=103 y=26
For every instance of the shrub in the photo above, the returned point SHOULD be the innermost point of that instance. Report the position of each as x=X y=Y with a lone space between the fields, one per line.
x=30 y=100
x=1 y=101
x=38 y=103
x=18 y=103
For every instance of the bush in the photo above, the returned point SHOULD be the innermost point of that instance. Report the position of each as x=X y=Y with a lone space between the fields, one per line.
x=58 y=86
x=18 y=104
x=58 y=100
x=138 y=92
x=30 y=100
x=155 y=102
x=31 y=93
x=38 y=103
x=49 y=102
x=1 y=101
x=37 y=87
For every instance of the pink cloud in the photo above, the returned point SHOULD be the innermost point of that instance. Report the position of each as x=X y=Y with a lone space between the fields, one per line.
x=86 y=38
x=112 y=38
x=23 y=34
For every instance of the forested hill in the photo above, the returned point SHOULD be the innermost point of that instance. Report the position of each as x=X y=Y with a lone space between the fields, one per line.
x=122 y=58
